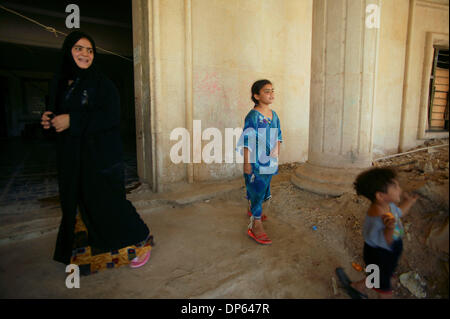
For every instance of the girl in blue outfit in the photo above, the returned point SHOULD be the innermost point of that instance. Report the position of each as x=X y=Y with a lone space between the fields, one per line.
x=260 y=145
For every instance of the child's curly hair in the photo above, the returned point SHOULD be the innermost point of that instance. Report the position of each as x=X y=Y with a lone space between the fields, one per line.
x=374 y=180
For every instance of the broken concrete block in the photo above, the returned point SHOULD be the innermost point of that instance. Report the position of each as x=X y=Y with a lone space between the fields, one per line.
x=437 y=238
x=428 y=168
x=334 y=286
x=445 y=266
x=435 y=192
x=407 y=226
x=412 y=281
x=425 y=166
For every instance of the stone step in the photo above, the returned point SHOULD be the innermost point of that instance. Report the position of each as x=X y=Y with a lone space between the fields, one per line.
x=319 y=187
x=327 y=175
x=325 y=180
x=29 y=226
x=28 y=229
x=32 y=224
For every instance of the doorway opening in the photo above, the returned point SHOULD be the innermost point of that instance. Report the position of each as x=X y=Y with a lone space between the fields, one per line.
x=439 y=86
x=28 y=62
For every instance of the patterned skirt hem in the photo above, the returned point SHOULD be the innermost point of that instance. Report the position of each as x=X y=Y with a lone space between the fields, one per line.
x=91 y=262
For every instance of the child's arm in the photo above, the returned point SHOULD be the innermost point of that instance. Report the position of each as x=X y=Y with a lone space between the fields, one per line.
x=247 y=165
x=389 y=222
x=407 y=203
x=276 y=150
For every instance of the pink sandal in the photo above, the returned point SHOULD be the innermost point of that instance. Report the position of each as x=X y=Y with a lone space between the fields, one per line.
x=136 y=263
x=262 y=239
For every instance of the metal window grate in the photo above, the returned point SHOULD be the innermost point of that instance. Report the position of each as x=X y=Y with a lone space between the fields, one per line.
x=439 y=87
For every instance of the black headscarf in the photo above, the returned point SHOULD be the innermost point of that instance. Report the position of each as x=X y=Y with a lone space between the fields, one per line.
x=69 y=68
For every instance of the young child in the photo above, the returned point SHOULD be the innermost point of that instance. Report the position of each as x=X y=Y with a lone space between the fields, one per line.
x=260 y=144
x=383 y=229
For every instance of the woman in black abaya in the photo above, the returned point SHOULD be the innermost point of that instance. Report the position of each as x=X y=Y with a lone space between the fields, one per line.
x=100 y=228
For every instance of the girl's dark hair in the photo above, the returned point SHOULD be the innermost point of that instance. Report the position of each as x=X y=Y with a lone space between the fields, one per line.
x=256 y=88
x=374 y=180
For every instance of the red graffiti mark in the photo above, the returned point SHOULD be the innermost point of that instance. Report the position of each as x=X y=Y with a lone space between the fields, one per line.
x=208 y=84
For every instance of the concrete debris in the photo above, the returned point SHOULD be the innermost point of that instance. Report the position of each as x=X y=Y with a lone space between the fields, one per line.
x=412 y=281
x=334 y=286
x=428 y=168
x=445 y=266
x=437 y=238
x=433 y=192
x=425 y=166
x=407 y=226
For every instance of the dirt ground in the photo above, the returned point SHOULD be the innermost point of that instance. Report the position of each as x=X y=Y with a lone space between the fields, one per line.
x=202 y=249
x=339 y=221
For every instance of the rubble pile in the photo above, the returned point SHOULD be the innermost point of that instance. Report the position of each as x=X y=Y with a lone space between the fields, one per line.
x=427 y=161
x=337 y=222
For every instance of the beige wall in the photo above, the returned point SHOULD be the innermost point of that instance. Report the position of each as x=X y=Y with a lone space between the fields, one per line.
x=390 y=74
x=171 y=106
x=398 y=98
x=239 y=42
x=427 y=17
x=205 y=54
x=234 y=43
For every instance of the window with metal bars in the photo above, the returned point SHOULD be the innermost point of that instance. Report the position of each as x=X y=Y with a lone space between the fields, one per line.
x=439 y=99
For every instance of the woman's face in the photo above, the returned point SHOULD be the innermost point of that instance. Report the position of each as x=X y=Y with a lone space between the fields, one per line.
x=83 y=53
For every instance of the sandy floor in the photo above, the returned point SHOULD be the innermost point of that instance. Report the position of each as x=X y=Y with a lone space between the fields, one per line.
x=202 y=249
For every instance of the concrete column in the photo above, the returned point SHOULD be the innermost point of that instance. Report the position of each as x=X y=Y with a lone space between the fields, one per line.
x=344 y=55
x=142 y=90
x=146 y=89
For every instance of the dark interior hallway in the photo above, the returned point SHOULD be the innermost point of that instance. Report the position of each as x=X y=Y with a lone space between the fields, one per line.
x=28 y=172
x=27 y=153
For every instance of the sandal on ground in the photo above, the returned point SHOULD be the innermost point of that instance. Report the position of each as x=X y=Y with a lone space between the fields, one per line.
x=136 y=263
x=346 y=284
x=262 y=239
x=263 y=217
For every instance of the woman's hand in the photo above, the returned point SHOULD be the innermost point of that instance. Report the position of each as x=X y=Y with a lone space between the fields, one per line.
x=61 y=122
x=45 y=120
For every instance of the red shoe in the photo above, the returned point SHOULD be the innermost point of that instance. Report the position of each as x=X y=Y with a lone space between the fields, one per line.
x=262 y=239
x=136 y=262
x=263 y=217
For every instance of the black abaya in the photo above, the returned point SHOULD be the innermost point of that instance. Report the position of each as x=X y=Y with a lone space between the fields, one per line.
x=90 y=167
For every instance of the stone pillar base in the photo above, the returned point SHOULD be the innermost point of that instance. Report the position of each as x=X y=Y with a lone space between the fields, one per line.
x=325 y=180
